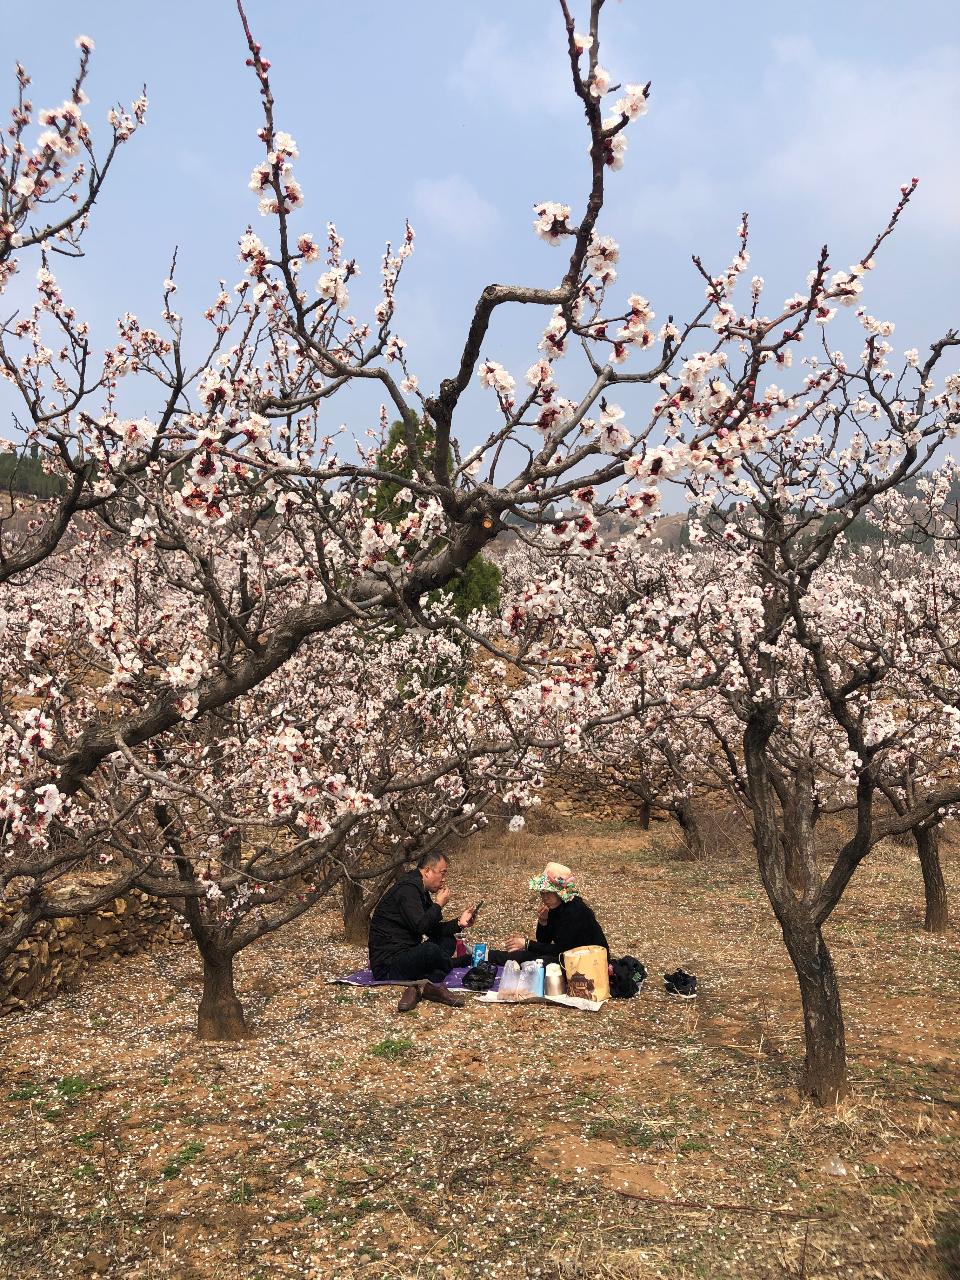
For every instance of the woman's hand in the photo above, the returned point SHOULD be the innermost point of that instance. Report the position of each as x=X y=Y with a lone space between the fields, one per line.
x=542 y=912
x=516 y=943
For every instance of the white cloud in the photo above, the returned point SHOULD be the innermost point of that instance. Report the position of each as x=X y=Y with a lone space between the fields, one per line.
x=525 y=80
x=832 y=139
x=865 y=130
x=454 y=206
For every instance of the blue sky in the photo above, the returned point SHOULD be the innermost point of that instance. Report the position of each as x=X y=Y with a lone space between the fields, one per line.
x=460 y=116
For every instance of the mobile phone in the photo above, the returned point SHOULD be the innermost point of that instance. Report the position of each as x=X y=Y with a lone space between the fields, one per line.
x=473 y=913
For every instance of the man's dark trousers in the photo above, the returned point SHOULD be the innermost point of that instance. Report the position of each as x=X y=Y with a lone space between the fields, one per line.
x=431 y=959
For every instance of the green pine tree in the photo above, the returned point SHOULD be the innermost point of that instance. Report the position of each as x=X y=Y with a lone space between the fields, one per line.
x=23 y=473
x=478 y=587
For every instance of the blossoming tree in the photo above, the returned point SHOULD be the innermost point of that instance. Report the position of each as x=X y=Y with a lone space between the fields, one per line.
x=258 y=519
x=266 y=515
x=49 y=184
x=371 y=745
x=848 y=705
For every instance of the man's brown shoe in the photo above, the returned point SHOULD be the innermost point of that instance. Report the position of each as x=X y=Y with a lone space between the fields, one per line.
x=409 y=998
x=433 y=991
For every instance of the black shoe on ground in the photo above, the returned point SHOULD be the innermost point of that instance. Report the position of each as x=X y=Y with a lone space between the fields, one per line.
x=442 y=995
x=680 y=984
x=410 y=997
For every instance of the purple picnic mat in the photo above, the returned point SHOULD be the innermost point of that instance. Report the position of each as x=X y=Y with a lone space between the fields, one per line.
x=453 y=980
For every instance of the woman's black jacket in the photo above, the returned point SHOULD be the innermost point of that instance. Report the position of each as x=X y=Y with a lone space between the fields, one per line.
x=568 y=925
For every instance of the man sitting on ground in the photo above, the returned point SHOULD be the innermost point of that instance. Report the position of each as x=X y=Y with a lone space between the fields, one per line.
x=410 y=940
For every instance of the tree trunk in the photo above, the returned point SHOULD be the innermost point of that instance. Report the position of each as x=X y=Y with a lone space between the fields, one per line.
x=643 y=815
x=795 y=865
x=824 y=1076
x=220 y=1015
x=696 y=850
x=798 y=823
x=356 y=914
x=934 y=888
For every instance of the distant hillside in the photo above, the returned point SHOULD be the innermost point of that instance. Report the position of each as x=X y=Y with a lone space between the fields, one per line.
x=673 y=531
x=865 y=531
x=20 y=473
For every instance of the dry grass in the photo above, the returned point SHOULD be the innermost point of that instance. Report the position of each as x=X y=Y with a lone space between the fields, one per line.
x=655 y=1139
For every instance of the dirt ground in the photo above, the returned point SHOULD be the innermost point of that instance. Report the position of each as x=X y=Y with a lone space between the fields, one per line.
x=654 y=1139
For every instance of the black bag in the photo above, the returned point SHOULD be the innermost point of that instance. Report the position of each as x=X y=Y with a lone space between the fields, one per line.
x=627 y=976
x=481 y=977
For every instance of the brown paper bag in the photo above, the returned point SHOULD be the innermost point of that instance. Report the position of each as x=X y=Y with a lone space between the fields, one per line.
x=587 y=973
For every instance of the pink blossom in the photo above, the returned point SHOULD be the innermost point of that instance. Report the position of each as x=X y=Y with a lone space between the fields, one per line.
x=551 y=223
x=495 y=376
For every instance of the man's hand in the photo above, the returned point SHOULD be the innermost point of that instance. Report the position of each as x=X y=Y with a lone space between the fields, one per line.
x=442 y=896
x=465 y=919
x=516 y=943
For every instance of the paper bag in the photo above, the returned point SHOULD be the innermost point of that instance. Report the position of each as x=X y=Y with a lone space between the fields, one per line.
x=587 y=975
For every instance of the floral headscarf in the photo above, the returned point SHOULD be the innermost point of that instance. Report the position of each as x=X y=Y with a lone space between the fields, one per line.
x=555 y=878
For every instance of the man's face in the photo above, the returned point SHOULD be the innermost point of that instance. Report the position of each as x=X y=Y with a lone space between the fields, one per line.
x=434 y=875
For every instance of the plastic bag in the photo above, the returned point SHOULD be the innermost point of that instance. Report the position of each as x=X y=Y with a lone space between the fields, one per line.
x=480 y=978
x=509 y=981
x=531 y=978
x=627 y=977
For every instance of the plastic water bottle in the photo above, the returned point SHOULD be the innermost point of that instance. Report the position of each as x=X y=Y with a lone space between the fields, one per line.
x=531 y=977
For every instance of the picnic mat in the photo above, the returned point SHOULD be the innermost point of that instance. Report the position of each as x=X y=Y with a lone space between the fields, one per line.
x=568 y=1002
x=364 y=978
x=454 y=982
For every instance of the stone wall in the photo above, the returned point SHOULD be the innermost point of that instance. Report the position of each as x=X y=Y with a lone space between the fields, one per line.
x=59 y=951
x=584 y=793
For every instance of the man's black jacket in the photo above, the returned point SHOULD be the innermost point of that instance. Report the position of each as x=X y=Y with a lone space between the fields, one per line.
x=402 y=917
x=570 y=924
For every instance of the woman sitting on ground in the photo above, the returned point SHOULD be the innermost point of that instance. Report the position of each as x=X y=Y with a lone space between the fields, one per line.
x=564 y=921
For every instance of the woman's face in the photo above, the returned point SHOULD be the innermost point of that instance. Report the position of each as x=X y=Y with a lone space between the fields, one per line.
x=550 y=900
